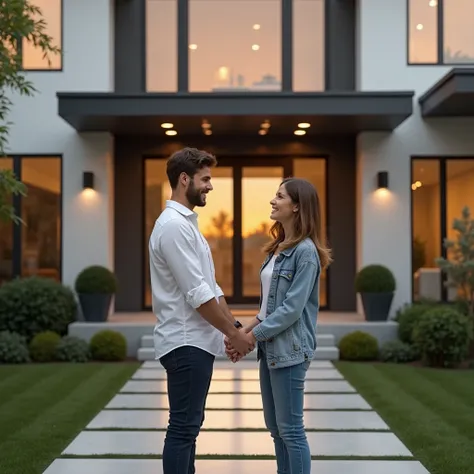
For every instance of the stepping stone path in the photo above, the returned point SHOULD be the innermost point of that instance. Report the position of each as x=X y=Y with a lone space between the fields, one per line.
x=339 y=423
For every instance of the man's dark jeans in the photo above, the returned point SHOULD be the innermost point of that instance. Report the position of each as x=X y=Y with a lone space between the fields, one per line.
x=189 y=371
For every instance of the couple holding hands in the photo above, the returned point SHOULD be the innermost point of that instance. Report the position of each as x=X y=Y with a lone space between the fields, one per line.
x=192 y=314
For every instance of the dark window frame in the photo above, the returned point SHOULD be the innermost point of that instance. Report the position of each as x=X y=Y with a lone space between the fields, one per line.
x=443 y=200
x=61 y=41
x=439 y=39
x=286 y=162
x=17 y=230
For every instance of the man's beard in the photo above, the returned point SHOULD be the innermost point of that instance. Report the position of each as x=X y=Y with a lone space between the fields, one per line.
x=194 y=196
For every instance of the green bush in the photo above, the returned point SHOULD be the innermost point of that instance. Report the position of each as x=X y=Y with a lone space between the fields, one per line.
x=358 y=345
x=398 y=352
x=32 y=305
x=13 y=348
x=43 y=346
x=443 y=336
x=108 y=345
x=375 y=279
x=407 y=319
x=96 y=279
x=72 y=349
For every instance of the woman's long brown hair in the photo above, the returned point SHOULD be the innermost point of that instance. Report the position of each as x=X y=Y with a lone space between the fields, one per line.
x=307 y=222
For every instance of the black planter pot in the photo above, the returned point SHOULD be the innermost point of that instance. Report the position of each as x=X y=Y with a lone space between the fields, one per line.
x=95 y=306
x=376 y=305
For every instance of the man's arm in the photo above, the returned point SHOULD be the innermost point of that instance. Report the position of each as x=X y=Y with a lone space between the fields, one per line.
x=177 y=247
x=225 y=309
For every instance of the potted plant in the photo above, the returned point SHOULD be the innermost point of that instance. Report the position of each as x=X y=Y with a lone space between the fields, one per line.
x=376 y=286
x=95 y=287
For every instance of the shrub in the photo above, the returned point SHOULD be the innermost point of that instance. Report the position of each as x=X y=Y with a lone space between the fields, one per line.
x=443 y=336
x=13 y=348
x=72 y=349
x=108 y=345
x=43 y=346
x=32 y=305
x=398 y=352
x=375 y=279
x=408 y=318
x=96 y=279
x=358 y=345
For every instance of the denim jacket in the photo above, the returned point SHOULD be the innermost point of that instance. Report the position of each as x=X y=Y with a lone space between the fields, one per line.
x=287 y=336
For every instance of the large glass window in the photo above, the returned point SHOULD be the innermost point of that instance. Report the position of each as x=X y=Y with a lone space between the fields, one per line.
x=36 y=248
x=6 y=237
x=161 y=45
x=441 y=187
x=308 y=45
x=234 y=45
x=452 y=43
x=32 y=55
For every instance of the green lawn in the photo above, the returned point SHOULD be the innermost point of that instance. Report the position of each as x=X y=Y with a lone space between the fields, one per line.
x=44 y=406
x=431 y=411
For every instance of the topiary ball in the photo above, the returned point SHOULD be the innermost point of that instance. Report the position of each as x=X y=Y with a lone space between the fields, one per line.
x=358 y=345
x=43 y=346
x=108 y=345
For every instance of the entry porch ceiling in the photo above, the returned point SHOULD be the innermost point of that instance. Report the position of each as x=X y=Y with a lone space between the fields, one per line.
x=452 y=96
x=236 y=114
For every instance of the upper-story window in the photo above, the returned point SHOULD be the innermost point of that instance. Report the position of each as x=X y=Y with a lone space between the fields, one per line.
x=441 y=32
x=32 y=55
x=235 y=45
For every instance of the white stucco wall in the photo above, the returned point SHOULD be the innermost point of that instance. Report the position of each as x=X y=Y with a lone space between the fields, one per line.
x=384 y=218
x=88 y=40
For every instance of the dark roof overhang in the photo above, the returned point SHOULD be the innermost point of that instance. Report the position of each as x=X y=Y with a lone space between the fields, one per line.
x=452 y=96
x=337 y=113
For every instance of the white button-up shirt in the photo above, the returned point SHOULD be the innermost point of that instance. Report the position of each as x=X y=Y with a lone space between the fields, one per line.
x=182 y=279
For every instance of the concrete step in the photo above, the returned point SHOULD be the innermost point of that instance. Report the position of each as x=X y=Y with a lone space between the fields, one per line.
x=323 y=340
x=322 y=353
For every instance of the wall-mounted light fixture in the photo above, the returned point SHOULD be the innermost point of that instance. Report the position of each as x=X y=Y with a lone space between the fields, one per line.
x=382 y=179
x=88 y=180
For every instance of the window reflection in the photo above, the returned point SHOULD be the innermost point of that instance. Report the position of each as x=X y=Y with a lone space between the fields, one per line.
x=459 y=193
x=458 y=32
x=161 y=45
x=423 y=32
x=6 y=237
x=41 y=211
x=259 y=186
x=235 y=45
x=32 y=55
x=308 y=45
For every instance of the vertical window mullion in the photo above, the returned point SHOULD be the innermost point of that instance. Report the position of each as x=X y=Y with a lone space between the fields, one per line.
x=440 y=35
x=443 y=221
x=287 y=45
x=183 y=45
x=17 y=228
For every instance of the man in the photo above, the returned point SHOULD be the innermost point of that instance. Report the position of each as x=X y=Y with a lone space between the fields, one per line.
x=192 y=314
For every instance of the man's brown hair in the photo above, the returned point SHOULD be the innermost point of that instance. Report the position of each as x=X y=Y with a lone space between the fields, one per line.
x=189 y=161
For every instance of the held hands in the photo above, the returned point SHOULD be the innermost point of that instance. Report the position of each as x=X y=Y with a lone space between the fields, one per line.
x=240 y=345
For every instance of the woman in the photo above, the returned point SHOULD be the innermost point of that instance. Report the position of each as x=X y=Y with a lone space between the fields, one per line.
x=285 y=327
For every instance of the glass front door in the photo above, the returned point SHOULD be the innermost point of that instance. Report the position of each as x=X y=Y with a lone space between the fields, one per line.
x=236 y=219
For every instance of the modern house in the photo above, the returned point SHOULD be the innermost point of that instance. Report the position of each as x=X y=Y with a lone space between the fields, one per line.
x=373 y=101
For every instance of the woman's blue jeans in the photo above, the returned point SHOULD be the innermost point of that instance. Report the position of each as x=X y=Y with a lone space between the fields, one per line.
x=283 y=399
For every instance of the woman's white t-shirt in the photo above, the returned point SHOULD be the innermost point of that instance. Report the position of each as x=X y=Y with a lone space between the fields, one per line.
x=265 y=279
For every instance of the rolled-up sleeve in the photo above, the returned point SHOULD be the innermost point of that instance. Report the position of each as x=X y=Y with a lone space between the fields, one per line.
x=179 y=250
x=219 y=291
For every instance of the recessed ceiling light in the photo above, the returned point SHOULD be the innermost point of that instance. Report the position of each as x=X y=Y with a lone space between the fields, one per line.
x=255 y=47
x=206 y=125
x=419 y=26
x=300 y=132
x=256 y=26
x=167 y=125
x=193 y=46
x=265 y=124
x=304 y=125
x=262 y=132
x=207 y=132
x=433 y=3
x=171 y=132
